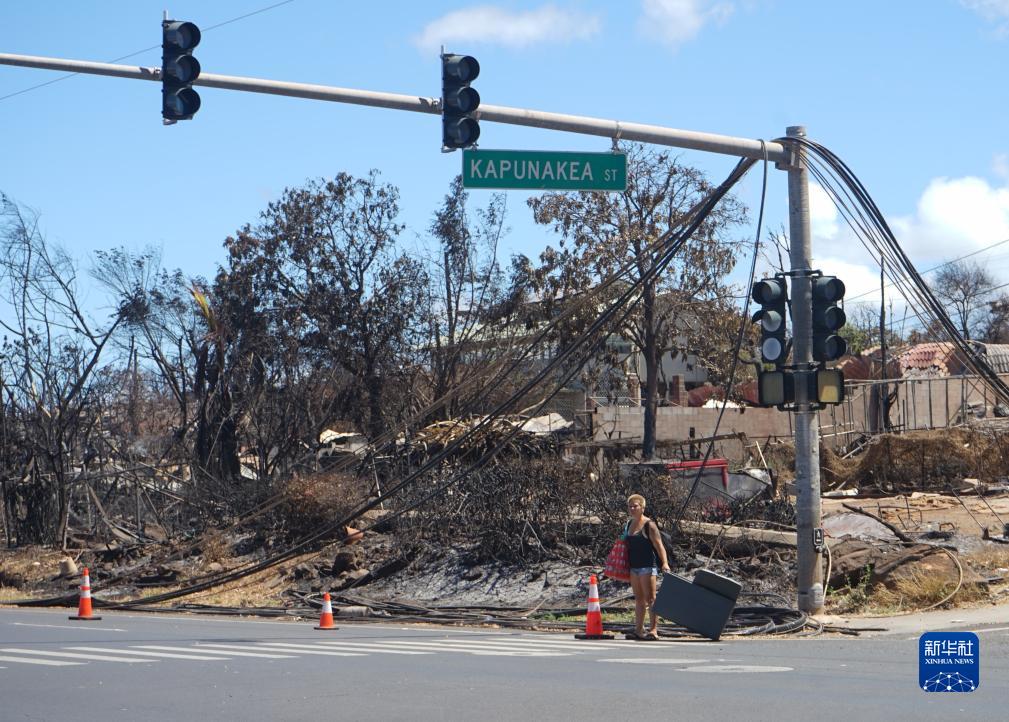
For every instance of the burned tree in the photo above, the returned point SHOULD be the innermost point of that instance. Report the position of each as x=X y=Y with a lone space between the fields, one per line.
x=964 y=287
x=600 y=232
x=321 y=279
x=468 y=293
x=49 y=366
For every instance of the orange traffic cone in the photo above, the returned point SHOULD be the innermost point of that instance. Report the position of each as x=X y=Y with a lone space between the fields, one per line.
x=593 y=615
x=326 y=620
x=84 y=605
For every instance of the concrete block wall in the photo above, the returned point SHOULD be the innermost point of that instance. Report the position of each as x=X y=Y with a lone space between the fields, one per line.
x=920 y=404
x=674 y=423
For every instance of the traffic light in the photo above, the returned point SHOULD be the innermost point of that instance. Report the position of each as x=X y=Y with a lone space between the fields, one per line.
x=178 y=70
x=828 y=318
x=459 y=129
x=829 y=386
x=775 y=388
x=778 y=388
x=772 y=295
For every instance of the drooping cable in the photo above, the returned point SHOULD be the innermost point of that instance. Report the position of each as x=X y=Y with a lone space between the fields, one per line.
x=874 y=232
x=744 y=321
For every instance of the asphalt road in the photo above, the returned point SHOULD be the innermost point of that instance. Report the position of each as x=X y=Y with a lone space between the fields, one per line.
x=154 y=667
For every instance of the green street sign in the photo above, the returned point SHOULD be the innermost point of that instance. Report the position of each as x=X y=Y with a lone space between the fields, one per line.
x=544 y=170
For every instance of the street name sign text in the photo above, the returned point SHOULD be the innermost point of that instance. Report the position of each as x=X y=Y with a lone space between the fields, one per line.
x=544 y=170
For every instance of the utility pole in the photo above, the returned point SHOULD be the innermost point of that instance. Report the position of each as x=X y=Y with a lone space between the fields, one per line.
x=809 y=538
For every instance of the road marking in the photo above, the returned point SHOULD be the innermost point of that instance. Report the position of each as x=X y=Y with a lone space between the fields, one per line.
x=735 y=668
x=980 y=631
x=532 y=644
x=137 y=652
x=622 y=645
x=227 y=649
x=565 y=643
x=361 y=648
x=68 y=626
x=47 y=662
x=369 y=647
x=510 y=646
x=654 y=660
x=300 y=649
x=545 y=647
x=480 y=649
x=74 y=655
x=462 y=645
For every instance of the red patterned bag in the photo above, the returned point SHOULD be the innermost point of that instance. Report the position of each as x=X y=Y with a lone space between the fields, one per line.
x=618 y=563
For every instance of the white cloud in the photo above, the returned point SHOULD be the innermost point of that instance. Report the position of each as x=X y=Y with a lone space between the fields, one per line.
x=823 y=217
x=994 y=11
x=1000 y=166
x=493 y=25
x=676 y=21
x=955 y=216
x=859 y=279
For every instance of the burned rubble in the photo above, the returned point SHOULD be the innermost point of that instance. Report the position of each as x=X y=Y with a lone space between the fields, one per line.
x=524 y=532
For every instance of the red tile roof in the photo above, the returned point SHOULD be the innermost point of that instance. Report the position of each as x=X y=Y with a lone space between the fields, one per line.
x=938 y=358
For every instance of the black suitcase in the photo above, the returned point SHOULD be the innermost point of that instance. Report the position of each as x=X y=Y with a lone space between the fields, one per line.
x=702 y=606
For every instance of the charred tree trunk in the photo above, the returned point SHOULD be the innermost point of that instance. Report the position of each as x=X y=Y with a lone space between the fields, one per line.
x=376 y=427
x=651 y=354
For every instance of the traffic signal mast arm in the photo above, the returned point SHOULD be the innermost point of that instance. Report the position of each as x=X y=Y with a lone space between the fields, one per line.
x=658 y=135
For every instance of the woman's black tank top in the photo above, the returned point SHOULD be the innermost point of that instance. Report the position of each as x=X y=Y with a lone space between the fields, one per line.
x=640 y=551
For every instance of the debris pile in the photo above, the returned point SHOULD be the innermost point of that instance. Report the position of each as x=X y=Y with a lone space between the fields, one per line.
x=527 y=438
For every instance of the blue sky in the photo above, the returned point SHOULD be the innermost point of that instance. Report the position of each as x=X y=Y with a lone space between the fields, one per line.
x=910 y=93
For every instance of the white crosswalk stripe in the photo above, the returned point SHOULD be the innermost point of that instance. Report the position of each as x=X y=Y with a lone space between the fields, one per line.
x=622 y=644
x=368 y=647
x=503 y=647
x=46 y=662
x=477 y=644
x=263 y=649
x=141 y=653
x=232 y=651
x=476 y=648
x=75 y=655
x=556 y=643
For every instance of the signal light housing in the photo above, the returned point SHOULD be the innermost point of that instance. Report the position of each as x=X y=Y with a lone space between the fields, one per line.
x=777 y=388
x=829 y=386
x=178 y=70
x=459 y=129
x=828 y=318
x=772 y=295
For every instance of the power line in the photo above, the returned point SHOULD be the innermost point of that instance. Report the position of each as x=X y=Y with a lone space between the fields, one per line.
x=869 y=225
x=953 y=304
x=153 y=47
x=941 y=265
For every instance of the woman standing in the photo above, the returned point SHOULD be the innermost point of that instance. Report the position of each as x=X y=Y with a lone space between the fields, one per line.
x=647 y=555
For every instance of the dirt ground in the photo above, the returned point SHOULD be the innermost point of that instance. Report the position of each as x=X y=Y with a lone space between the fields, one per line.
x=967 y=517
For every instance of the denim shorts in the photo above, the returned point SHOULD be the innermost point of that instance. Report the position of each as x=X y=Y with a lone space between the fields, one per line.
x=642 y=571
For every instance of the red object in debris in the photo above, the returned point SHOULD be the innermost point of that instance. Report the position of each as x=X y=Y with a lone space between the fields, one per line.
x=713 y=464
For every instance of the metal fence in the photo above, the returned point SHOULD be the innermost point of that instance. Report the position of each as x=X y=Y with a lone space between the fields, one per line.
x=915 y=404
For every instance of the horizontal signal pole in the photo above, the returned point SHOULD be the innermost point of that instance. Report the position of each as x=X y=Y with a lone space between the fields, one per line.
x=658 y=135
